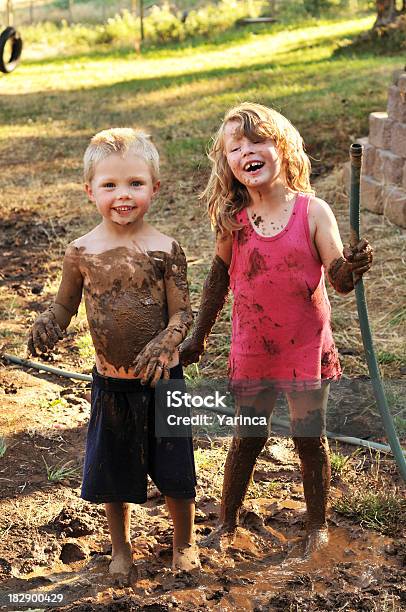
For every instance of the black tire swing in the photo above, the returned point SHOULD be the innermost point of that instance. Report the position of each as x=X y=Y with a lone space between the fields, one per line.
x=9 y=60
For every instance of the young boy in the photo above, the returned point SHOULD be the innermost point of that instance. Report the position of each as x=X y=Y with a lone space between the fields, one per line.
x=138 y=310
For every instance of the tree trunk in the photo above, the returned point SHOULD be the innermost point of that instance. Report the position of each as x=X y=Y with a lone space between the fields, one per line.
x=9 y=13
x=386 y=12
x=70 y=11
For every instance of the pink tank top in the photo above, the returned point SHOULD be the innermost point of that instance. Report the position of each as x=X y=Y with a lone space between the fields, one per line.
x=281 y=332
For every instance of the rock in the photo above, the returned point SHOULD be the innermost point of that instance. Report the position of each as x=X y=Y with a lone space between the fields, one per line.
x=388 y=167
x=398 y=140
x=72 y=524
x=395 y=205
x=380 y=130
x=5 y=567
x=371 y=195
x=396 y=104
x=72 y=552
x=36 y=289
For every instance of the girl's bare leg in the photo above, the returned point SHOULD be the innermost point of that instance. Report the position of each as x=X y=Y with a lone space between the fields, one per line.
x=118 y=519
x=240 y=462
x=308 y=410
x=185 y=551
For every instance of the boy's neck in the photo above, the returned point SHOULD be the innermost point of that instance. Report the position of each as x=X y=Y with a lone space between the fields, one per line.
x=115 y=231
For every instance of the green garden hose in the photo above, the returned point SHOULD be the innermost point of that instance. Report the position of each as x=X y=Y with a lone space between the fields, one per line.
x=356 y=160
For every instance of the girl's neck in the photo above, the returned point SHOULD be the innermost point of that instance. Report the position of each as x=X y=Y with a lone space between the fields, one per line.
x=270 y=196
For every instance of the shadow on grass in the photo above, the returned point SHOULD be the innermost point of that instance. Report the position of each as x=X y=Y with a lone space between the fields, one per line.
x=220 y=42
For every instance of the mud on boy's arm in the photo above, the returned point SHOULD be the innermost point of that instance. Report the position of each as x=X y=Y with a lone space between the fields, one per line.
x=48 y=328
x=155 y=357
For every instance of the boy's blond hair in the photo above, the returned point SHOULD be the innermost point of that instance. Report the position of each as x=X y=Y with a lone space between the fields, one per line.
x=122 y=141
x=225 y=195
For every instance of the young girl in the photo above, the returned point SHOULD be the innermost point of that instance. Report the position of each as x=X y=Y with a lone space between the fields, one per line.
x=274 y=241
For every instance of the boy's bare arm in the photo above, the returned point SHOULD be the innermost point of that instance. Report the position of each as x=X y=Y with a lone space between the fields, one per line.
x=49 y=326
x=215 y=291
x=344 y=265
x=154 y=359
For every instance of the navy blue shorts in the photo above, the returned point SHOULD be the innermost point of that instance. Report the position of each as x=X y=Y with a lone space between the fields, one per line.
x=122 y=449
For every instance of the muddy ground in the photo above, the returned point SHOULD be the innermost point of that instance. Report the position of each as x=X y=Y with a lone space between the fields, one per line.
x=53 y=544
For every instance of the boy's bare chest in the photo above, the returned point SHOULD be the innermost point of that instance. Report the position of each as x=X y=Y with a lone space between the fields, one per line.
x=117 y=272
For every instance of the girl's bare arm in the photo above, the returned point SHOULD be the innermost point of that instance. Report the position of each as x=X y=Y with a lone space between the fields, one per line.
x=345 y=265
x=215 y=291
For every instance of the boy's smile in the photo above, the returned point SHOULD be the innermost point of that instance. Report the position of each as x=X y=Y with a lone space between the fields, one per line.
x=122 y=188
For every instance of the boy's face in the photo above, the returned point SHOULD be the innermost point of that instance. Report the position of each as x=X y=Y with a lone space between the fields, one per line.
x=122 y=188
x=254 y=164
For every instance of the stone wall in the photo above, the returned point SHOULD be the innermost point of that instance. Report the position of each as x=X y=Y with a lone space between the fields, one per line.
x=383 y=175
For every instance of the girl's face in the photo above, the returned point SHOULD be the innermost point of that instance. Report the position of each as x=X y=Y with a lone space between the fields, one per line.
x=254 y=164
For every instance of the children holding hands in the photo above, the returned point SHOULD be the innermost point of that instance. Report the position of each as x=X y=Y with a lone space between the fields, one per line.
x=274 y=242
x=137 y=305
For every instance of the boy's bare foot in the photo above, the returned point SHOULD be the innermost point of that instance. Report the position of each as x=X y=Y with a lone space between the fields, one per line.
x=186 y=558
x=316 y=540
x=121 y=562
x=219 y=539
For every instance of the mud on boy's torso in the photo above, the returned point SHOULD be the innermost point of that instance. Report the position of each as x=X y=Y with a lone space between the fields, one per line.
x=126 y=302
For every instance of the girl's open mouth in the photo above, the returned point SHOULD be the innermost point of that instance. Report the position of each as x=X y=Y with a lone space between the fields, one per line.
x=254 y=166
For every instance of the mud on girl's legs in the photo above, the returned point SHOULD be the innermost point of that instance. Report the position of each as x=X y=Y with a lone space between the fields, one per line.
x=308 y=413
x=245 y=448
x=118 y=518
x=185 y=551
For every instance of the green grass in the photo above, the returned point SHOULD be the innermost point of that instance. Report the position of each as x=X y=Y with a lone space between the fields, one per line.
x=3 y=446
x=385 y=357
x=341 y=463
x=263 y=489
x=181 y=93
x=85 y=346
x=57 y=473
x=54 y=404
x=383 y=511
x=398 y=317
x=338 y=464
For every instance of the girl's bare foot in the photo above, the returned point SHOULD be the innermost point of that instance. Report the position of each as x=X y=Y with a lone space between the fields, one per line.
x=186 y=558
x=121 y=561
x=219 y=539
x=316 y=540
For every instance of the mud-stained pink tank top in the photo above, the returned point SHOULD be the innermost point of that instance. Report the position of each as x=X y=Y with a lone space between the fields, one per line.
x=281 y=332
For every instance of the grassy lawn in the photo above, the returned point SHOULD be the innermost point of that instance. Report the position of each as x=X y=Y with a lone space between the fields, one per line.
x=51 y=106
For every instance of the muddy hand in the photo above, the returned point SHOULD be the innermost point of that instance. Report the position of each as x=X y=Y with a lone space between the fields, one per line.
x=152 y=363
x=360 y=256
x=190 y=351
x=44 y=334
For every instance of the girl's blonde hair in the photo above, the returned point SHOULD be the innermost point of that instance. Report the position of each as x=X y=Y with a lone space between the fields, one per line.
x=122 y=141
x=225 y=195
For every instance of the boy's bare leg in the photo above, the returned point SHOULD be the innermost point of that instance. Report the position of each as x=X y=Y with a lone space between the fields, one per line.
x=308 y=410
x=118 y=518
x=185 y=551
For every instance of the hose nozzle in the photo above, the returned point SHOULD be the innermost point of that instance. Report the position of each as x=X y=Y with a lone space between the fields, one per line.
x=356 y=151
